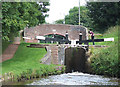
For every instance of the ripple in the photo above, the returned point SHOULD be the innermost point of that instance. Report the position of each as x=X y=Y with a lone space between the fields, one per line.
x=76 y=78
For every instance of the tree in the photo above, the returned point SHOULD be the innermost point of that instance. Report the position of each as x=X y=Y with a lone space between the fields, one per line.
x=104 y=14
x=73 y=17
x=18 y=15
x=43 y=9
x=60 y=21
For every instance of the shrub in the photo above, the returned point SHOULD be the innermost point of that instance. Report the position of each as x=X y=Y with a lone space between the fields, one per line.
x=105 y=60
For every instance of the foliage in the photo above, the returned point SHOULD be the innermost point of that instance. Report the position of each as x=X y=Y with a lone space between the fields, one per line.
x=105 y=60
x=5 y=44
x=17 y=15
x=103 y=14
x=60 y=21
x=73 y=17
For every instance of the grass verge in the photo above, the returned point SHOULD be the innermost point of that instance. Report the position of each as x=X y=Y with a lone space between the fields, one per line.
x=26 y=63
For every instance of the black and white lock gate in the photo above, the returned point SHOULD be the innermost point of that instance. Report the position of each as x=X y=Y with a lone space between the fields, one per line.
x=66 y=41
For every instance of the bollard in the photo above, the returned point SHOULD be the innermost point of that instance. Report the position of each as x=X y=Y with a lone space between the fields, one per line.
x=57 y=42
x=66 y=35
x=52 y=42
x=5 y=78
x=80 y=37
x=53 y=37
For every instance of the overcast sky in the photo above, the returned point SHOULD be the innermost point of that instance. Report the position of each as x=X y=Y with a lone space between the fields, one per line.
x=60 y=8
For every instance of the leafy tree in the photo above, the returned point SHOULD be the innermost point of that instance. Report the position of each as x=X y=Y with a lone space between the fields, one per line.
x=18 y=15
x=60 y=21
x=43 y=9
x=73 y=17
x=104 y=14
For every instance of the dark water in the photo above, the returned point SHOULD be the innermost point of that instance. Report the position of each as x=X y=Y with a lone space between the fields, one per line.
x=76 y=78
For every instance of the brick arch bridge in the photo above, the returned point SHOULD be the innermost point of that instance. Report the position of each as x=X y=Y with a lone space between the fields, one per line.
x=61 y=29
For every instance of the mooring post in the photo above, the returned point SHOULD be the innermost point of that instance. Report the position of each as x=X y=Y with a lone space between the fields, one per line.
x=80 y=37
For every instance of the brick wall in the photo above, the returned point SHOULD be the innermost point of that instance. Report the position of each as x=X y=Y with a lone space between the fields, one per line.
x=44 y=29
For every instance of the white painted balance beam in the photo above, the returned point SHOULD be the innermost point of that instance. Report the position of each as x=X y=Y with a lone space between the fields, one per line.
x=26 y=38
x=108 y=39
x=40 y=37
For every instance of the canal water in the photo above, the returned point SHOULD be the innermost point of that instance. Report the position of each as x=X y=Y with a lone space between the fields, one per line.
x=76 y=78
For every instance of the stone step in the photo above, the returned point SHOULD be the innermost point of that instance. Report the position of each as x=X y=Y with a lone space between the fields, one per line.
x=54 y=54
x=54 y=49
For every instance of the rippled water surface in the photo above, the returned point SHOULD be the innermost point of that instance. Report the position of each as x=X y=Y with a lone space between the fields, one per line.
x=76 y=78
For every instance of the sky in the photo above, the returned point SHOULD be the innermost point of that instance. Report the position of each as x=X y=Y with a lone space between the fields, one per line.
x=60 y=8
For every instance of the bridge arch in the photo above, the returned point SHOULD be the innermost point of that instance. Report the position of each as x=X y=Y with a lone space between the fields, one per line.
x=41 y=30
x=55 y=35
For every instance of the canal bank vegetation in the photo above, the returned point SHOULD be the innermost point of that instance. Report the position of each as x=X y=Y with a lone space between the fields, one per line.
x=25 y=65
x=104 y=61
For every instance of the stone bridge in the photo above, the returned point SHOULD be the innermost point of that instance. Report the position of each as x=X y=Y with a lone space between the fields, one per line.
x=60 y=29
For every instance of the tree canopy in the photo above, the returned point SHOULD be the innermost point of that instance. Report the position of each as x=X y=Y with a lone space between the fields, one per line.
x=73 y=17
x=96 y=15
x=104 y=14
x=60 y=21
x=18 y=15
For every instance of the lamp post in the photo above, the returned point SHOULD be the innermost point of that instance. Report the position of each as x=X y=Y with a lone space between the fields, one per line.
x=79 y=12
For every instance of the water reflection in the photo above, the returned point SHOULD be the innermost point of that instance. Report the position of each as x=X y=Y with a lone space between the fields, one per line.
x=76 y=78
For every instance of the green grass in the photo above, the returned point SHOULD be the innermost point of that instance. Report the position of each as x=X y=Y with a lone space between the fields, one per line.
x=105 y=60
x=26 y=63
x=23 y=59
